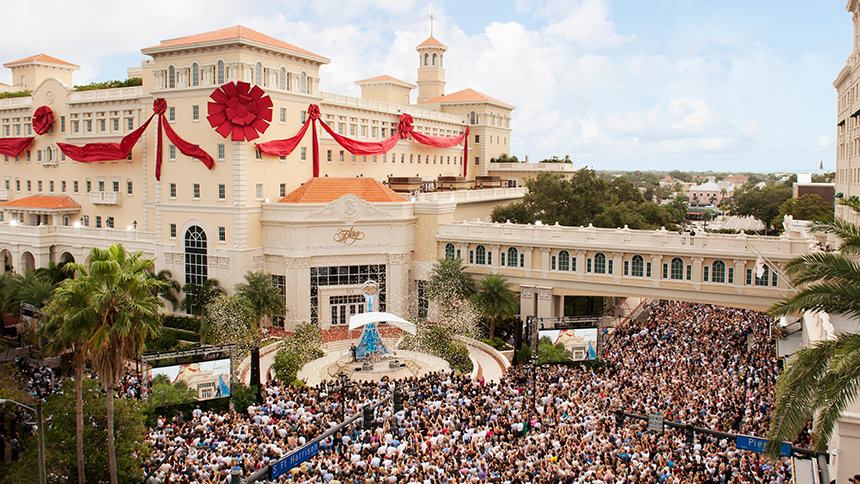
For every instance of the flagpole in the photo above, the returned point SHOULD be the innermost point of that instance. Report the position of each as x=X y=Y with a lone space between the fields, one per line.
x=775 y=269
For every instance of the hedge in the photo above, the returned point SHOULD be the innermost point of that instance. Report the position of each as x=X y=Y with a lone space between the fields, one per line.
x=182 y=322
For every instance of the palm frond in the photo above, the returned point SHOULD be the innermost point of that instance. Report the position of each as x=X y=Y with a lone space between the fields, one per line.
x=837 y=388
x=796 y=394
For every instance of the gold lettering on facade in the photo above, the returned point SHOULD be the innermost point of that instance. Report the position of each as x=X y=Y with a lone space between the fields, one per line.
x=348 y=236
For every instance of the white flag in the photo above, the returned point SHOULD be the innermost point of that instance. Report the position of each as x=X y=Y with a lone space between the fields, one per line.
x=759 y=267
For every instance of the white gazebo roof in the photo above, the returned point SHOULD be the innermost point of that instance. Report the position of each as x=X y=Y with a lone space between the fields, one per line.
x=362 y=319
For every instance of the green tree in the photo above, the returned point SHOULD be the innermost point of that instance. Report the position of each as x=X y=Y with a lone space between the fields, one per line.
x=56 y=273
x=495 y=300
x=165 y=394
x=504 y=158
x=824 y=377
x=35 y=288
x=260 y=291
x=119 y=296
x=68 y=324
x=448 y=280
x=10 y=295
x=516 y=212
x=229 y=320
x=197 y=297
x=761 y=203
x=304 y=346
x=60 y=449
x=556 y=159
x=169 y=290
x=807 y=207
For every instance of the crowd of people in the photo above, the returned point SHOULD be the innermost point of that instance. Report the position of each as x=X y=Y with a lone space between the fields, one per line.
x=710 y=366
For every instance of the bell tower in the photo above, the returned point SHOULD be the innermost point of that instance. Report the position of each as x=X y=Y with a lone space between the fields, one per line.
x=431 y=68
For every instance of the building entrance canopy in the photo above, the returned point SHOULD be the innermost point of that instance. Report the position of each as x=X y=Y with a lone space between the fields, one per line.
x=363 y=319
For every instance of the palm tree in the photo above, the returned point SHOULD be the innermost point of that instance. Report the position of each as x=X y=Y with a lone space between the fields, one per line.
x=56 y=273
x=170 y=290
x=119 y=300
x=495 y=300
x=197 y=297
x=824 y=377
x=264 y=298
x=35 y=287
x=10 y=296
x=68 y=323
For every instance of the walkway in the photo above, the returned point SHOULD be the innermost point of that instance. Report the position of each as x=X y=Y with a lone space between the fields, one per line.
x=487 y=363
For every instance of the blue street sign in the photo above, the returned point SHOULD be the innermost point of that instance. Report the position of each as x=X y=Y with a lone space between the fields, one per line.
x=757 y=444
x=293 y=459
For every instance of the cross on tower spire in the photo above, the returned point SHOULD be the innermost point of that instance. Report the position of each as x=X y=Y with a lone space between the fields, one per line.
x=432 y=18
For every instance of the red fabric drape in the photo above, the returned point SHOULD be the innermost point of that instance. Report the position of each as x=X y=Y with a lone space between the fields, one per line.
x=104 y=151
x=187 y=148
x=43 y=119
x=116 y=151
x=363 y=147
x=14 y=146
x=284 y=147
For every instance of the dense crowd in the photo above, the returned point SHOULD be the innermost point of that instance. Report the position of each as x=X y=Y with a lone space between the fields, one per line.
x=710 y=366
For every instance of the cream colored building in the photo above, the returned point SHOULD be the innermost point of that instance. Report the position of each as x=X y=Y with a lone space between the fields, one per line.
x=848 y=121
x=219 y=223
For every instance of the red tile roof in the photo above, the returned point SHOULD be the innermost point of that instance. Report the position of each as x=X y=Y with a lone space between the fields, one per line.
x=385 y=78
x=324 y=190
x=40 y=58
x=235 y=32
x=466 y=96
x=43 y=201
x=432 y=42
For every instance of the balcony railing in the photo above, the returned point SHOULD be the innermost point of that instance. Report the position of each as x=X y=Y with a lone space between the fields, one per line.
x=105 y=198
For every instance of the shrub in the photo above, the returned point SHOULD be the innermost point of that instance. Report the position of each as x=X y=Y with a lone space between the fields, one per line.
x=24 y=93
x=134 y=81
x=523 y=355
x=497 y=343
x=437 y=340
x=296 y=351
x=243 y=396
x=182 y=322
x=164 y=342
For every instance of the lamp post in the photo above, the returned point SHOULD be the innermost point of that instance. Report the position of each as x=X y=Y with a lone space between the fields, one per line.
x=40 y=435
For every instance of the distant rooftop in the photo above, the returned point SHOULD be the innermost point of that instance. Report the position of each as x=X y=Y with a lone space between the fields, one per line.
x=325 y=190
x=40 y=58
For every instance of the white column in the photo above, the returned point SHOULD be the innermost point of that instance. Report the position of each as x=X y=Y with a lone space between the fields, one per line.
x=527 y=301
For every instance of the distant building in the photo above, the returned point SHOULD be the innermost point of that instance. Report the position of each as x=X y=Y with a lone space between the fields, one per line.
x=804 y=186
x=708 y=193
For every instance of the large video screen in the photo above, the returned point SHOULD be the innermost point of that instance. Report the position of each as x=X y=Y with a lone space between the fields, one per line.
x=581 y=343
x=208 y=379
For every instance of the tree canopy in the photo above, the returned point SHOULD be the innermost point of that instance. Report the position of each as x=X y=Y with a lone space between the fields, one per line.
x=586 y=198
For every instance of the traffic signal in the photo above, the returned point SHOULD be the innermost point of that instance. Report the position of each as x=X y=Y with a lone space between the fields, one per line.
x=398 y=400
x=366 y=416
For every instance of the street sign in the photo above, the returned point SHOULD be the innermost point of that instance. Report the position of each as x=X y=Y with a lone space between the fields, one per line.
x=757 y=444
x=293 y=459
x=655 y=422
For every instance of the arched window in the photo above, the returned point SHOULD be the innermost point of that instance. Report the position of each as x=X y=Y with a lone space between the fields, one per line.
x=282 y=79
x=564 y=260
x=434 y=59
x=637 y=266
x=303 y=83
x=49 y=154
x=426 y=59
x=195 y=74
x=677 y=269
x=513 y=254
x=449 y=251
x=600 y=263
x=219 y=72
x=171 y=77
x=196 y=260
x=472 y=118
x=258 y=74
x=718 y=271
x=480 y=255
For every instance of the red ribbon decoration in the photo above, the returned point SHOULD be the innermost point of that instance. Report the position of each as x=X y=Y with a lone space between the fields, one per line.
x=240 y=111
x=91 y=152
x=14 y=146
x=404 y=131
x=43 y=119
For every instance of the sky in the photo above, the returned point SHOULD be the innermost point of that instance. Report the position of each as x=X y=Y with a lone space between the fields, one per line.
x=728 y=85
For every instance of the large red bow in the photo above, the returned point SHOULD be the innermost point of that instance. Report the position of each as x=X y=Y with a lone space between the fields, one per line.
x=43 y=119
x=240 y=111
x=405 y=126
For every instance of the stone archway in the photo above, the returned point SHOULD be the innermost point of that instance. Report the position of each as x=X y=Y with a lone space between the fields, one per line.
x=5 y=261
x=66 y=257
x=28 y=263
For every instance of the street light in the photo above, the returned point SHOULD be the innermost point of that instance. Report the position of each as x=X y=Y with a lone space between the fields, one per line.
x=40 y=435
x=344 y=384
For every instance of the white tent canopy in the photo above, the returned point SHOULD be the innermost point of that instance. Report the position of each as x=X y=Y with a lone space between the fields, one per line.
x=362 y=319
